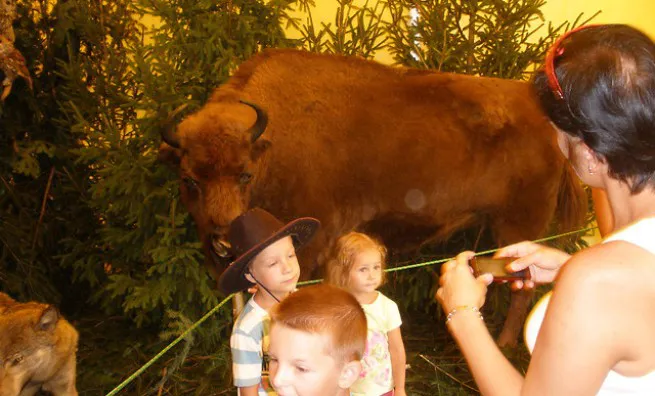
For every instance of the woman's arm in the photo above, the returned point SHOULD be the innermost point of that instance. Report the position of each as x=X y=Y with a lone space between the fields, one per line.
x=571 y=355
x=492 y=372
x=460 y=291
x=577 y=343
x=398 y=360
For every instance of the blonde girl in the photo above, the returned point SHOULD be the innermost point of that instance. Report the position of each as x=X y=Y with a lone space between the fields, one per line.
x=357 y=266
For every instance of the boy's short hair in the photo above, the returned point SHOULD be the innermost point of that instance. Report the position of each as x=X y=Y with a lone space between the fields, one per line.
x=326 y=310
x=345 y=252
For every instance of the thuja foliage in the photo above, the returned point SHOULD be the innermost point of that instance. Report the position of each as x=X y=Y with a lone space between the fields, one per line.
x=43 y=189
x=481 y=37
x=149 y=253
x=356 y=30
x=90 y=217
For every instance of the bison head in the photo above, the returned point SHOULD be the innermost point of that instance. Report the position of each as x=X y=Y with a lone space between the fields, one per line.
x=216 y=151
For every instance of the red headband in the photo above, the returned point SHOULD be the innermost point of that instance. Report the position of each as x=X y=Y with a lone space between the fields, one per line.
x=556 y=51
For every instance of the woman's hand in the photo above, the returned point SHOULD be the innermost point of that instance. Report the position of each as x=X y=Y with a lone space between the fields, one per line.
x=542 y=261
x=458 y=285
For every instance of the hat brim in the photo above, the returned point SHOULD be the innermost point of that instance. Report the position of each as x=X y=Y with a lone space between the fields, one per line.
x=233 y=278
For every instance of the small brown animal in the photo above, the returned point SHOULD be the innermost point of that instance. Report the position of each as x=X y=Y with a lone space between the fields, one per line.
x=37 y=349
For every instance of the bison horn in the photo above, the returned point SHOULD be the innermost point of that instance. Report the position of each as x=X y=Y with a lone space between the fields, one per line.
x=168 y=133
x=260 y=125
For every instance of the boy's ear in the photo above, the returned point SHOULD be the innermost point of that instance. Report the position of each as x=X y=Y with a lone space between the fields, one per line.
x=349 y=374
x=248 y=276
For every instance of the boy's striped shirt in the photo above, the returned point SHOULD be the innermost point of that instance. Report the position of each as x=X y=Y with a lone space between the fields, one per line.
x=249 y=345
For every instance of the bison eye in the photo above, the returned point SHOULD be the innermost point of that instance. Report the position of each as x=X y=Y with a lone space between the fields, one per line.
x=17 y=360
x=245 y=178
x=190 y=183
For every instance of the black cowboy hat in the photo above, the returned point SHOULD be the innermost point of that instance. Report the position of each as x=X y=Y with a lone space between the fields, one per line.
x=252 y=232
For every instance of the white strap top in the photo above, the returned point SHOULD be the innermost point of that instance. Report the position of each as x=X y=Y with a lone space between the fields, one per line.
x=642 y=234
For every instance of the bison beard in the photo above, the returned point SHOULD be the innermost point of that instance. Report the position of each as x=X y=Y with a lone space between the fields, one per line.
x=355 y=143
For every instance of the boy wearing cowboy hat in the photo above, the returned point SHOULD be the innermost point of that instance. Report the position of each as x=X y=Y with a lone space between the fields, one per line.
x=265 y=253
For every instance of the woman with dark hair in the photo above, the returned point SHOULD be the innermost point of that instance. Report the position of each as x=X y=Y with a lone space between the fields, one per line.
x=595 y=333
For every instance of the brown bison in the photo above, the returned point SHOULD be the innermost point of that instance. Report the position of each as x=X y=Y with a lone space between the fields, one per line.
x=359 y=144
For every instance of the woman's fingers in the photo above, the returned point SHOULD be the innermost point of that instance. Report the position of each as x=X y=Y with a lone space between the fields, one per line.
x=447 y=266
x=522 y=285
x=464 y=258
x=517 y=285
x=518 y=249
x=526 y=261
x=485 y=279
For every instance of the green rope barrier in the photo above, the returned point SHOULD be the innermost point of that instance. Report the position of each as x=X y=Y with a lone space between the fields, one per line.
x=428 y=263
x=310 y=282
x=171 y=345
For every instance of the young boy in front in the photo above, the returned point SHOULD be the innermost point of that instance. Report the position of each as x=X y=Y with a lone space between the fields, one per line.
x=318 y=337
x=265 y=253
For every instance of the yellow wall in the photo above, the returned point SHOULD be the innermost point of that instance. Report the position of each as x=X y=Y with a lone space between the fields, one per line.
x=639 y=13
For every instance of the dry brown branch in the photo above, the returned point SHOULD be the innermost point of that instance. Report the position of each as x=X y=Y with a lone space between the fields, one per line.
x=43 y=203
x=448 y=374
x=161 y=387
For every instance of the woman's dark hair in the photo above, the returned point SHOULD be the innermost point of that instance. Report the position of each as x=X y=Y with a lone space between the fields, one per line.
x=607 y=76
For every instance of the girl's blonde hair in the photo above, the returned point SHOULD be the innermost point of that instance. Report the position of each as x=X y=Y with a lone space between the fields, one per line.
x=345 y=253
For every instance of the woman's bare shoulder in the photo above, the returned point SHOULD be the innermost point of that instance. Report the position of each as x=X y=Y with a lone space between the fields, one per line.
x=610 y=261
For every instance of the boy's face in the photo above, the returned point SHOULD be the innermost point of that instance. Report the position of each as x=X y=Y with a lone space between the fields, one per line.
x=276 y=267
x=299 y=365
x=366 y=273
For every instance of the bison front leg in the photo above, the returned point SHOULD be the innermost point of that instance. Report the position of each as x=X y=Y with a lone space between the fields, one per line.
x=518 y=311
x=526 y=217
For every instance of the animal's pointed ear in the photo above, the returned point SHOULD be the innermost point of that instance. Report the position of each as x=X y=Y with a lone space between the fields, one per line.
x=169 y=154
x=258 y=148
x=48 y=319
